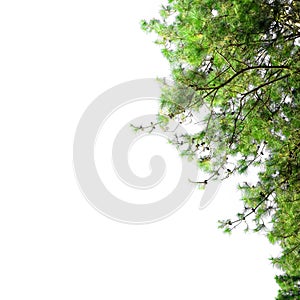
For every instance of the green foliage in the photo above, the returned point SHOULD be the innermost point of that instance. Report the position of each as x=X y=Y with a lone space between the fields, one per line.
x=290 y=287
x=240 y=59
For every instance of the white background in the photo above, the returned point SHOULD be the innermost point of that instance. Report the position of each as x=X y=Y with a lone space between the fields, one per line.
x=56 y=58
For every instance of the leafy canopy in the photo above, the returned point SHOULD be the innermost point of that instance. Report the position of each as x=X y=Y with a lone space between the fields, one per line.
x=241 y=60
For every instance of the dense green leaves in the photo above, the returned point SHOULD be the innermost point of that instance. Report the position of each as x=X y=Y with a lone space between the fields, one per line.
x=240 y=59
